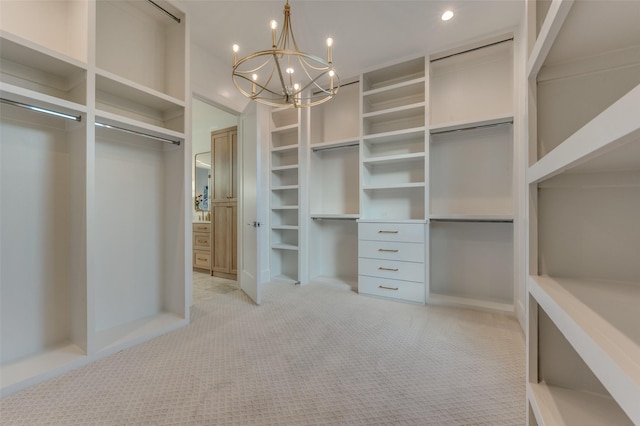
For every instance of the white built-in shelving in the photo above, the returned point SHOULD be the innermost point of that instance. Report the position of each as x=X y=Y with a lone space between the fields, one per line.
x=393 y=159
x=285 y=195
x=583 y=345
x=471 y=176
x=98 y=210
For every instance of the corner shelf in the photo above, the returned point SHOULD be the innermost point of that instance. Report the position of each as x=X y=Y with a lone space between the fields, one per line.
x=596 y=317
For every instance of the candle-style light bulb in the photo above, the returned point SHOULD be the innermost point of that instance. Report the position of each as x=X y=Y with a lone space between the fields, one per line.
x=274 y=25
x=235 y=53
x=331 y=74
x=329 y=44
x=253 y=84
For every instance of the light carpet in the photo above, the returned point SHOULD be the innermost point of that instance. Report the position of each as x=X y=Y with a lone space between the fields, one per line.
x=310 y=355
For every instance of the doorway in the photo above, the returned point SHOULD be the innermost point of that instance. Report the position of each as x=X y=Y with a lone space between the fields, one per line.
x=206 y=118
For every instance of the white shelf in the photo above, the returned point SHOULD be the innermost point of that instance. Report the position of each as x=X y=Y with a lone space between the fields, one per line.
x=391 y=159
x=284 y=247
x=35 y=98
x=284 y=149
x=29 y=370
x=394 y=88
x=394 y=186
x=138 y=126
x=557 y=406
x=394 y=113
x=395 y=136
x=613 y=127
x=281 y=168
x=284 y=187
x=335 y=216
x=448 y=300
x=465 y=125
x=285 y=207
x=285 y=227
x=600 y=320
x=138 y=331
x=139 y=94
x=32 y=55
x=290 y=128
x=335 y=144
x=473 y=217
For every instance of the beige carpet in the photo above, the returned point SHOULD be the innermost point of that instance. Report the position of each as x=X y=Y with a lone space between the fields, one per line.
x=309 y=355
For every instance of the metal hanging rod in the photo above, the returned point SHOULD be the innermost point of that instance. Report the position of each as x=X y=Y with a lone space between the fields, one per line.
x=480 y=126
x=473 y=220
x=134 y=132
x=41 y=110
x=333 y=218
x=335 y=147
x=175 y=18
x=472 y=50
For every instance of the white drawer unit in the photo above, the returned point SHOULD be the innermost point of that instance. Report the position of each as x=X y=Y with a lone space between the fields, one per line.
x=403 y=290
x=392 y=231
x=392 y=260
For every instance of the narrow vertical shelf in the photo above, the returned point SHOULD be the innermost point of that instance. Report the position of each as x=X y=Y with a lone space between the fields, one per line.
x=584 y=192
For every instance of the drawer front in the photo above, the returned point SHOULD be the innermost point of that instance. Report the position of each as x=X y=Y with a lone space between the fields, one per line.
x=408 y=252
x=201 y=259
x=201 y=241
x=392 y=269
x=402 y=290
x=202 y=227
x=405 y=232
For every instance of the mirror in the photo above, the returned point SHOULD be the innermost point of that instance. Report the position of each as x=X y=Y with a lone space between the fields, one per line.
x=203 y=181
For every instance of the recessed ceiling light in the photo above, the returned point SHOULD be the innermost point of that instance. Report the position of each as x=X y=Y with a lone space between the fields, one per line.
x=447 y=15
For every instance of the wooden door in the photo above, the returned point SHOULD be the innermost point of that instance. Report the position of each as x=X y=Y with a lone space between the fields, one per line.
x=222 y=160
x=220 y=259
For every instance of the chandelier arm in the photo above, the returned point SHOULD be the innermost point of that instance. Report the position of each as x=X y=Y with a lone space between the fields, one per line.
x=313 y=81
x=304 y=56
x=286 y=95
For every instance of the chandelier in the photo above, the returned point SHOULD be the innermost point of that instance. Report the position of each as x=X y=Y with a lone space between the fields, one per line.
x=283 y=76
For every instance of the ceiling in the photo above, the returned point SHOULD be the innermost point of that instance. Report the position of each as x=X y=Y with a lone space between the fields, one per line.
x=366 y=33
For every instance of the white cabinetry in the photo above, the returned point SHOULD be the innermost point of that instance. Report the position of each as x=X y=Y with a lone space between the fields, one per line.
x=471 y=174
x=584 y=190
x=392 y=261
x=93 y=218
x=285 y=195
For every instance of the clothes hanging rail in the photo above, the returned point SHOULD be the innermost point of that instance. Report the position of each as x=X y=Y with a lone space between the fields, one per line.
x=334 y=147
x=473 y=50
x=464 y=129
x=175 y=18
x=472 y=220
x=134 y=132
x=41 y=110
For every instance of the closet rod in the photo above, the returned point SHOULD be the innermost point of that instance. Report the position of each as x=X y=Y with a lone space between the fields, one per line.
x=335 y=147
x=473 y=220
x=472 y=50
x=175 y=18
x=134 y=132
x=480 y=126
x=42 y=110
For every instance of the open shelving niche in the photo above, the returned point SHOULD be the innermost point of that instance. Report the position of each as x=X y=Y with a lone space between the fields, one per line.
x=471 y=176
x=89 y=252
x=393 y=159
x=583 y=346
x=333 y=189
x=285 y=195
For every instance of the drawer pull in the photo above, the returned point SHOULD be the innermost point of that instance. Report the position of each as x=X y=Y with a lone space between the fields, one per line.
x=202 y=259
x=389 y=250
x=387 y=232
x=388 y=269
x=388 y=288
x=203 y=241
